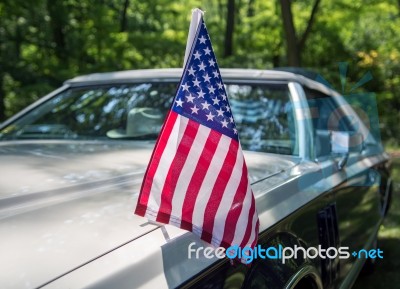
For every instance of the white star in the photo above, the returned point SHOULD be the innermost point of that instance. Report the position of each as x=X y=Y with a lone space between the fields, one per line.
x=202 y=39
x=202 y=66
x=207 y=51
x=190 y=98
x=201 y=93
x=220 y=112
x=224 y=123
x=205 y=105
x=216 y=74
x=211 y=89
x=197 y=55
x=228 y=109
x=220 y=85
x=211 y=62
x=210 y=116
x=196 y=82
x=223 y=95
x=191 y=71
x=231 y=119
x=216 y=101
x=194 y=109
x=179 y=102
x=235 y=131
x=206 y=77
x=185 y=87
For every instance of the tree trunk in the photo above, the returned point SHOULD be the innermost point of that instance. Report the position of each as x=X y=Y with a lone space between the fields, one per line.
x=250 y=9
x=276 y=60
x=398 y=5
x=294 y=47
x=230 y=28
x=124 y=20
x=58 y=22
x=310 y=24
x=292 y=51
x=2 y=99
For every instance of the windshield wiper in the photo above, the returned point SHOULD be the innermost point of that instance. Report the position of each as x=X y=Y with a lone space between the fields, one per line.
x=149 y=136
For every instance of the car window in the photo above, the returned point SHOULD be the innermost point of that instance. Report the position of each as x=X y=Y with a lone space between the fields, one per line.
x=91 y=112
x=325 y=113
x=326 y=117
x=263 y=114
x=265 y=117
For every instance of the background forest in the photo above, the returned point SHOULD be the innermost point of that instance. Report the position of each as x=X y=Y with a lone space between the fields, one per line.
x=45 y=42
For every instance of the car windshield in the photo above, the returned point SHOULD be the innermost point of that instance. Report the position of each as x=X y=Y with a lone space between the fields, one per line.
x=263 y=114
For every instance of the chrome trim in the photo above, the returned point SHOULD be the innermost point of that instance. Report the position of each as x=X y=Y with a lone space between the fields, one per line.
x=32 y=106
x=386 y=198
x=95 y=258
x=303 y=124
x=268 y=176
x=351 y=277
x=305 y=271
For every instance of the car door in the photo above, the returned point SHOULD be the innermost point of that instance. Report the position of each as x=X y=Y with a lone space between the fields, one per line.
x=352 y=180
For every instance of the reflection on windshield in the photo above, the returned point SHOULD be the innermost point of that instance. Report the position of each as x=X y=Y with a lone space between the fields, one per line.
x=263 y=114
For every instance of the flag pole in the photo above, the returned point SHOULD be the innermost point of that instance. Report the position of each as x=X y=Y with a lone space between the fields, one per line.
x=194 y=23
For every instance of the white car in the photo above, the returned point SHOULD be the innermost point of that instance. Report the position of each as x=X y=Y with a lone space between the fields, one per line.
x=72 y=164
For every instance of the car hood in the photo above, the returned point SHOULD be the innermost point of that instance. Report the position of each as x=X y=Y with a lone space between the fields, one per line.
x=64 y=203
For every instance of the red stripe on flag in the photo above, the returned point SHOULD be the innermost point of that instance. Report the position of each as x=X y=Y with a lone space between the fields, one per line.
x=175 y=170
x=256 y=237
x=236 y=208
x=249 y=227
x=154 y=162
x=218 y=190
x=198 y=177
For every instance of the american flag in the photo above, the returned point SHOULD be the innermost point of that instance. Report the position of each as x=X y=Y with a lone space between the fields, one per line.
x=197 y=177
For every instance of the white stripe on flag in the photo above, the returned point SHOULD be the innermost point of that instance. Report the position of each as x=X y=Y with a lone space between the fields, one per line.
x=227 y=198
x=208 y=184
x=165 y=162
x=243 y=218
x=188 y=170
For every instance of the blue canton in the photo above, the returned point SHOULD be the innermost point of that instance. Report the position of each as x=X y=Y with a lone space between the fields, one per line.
x=201 y=95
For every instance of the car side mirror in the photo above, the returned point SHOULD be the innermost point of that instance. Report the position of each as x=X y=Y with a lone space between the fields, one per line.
x=343 y=142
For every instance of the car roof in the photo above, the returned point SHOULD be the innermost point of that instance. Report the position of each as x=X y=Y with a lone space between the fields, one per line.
x=174 y=74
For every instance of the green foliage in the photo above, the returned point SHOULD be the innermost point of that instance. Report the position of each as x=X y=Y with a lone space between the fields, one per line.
x=386 y=274
x=45 y=42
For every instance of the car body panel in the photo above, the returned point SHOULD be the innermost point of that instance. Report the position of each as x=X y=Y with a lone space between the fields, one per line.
x=90 y=189
x=70 y=207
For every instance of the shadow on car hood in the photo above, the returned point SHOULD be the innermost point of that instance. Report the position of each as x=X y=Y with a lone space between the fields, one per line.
x=63 y=203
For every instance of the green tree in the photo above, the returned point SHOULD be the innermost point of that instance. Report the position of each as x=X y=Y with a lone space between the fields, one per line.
x=45 y=42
